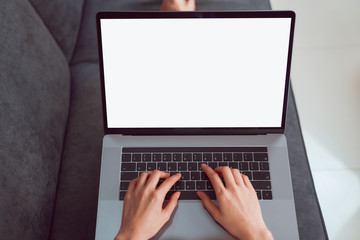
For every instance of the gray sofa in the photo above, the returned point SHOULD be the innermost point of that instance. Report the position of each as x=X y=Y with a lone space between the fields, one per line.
x=51 y=119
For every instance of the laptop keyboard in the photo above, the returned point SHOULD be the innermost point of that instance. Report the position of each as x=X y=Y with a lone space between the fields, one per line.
x=251 y=161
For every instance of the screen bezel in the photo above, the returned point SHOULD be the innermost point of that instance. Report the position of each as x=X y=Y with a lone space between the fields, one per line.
x=202 y=14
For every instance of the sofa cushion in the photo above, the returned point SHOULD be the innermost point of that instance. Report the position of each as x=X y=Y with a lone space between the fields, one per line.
x=62 y=18
x=76 y=204
x=34 y=102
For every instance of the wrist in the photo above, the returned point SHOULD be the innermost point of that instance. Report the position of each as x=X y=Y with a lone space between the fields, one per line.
x=263 y=234
x=127 y=236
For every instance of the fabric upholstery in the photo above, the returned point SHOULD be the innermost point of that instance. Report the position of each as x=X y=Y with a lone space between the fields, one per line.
x=62 y=18
x=76 y=204
x=34 y=101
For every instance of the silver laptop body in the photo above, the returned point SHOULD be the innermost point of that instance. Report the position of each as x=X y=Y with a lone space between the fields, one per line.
x=195 y=80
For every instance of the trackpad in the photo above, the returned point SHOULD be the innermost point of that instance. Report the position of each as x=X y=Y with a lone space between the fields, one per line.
x=190 y=220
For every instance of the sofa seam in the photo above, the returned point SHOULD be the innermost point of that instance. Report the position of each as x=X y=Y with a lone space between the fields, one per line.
x=56 y=42
x=66 y=127
x=78 y=32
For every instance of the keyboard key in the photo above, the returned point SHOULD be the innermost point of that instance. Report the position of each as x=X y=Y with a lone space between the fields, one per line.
x=128 y=166
x=248 y=174
x=200 y=185
x=192 y=166
x=221 y=164
x=177 y=157
x=122 y=195
x=172 y=166
x=195 y=176
x=261 y=175
x=190 y=185
x=182 y=166
x=244 y=166
x=128 y=175
x=141 y=167
x=172 y=173
x=185 y=176
x=254 y=166
x=197 y=157
x=157 y=157
x=267 y=194
x=234 y=165
x=179 y=185
x=213 y=165
x=203 y=176
x=261 y=157
x=264 y=166
x=199 y=165
x=187 y=157
x=258 y=193
x=161 y=166
x=136 y=157
x=146 y=157
x=217 y=157
x=126 y=157
x=261 y=184
x=228 y=157
x=150 y=166
x=207 y=157
x=209 y=185
x=124 y=185
x=238 y=157
x=167 y=157
x=248 y=157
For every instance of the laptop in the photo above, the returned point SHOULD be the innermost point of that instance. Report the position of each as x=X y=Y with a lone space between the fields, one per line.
x=184 y=88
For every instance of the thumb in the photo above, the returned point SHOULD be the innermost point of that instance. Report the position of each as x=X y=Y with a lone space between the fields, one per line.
x=171 y=205
x=209 y=205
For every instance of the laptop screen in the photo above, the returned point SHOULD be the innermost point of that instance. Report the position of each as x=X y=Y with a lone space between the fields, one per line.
x=195 y=72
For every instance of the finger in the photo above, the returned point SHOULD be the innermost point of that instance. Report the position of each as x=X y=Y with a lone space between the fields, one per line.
x=168 y=183
x=237 y=177
x=154 y=178
x=211 y=207
x=143 y=178
x=214 y=179
x=227 y=175
x=247 y=181
x=171 y=205
x=132 y=185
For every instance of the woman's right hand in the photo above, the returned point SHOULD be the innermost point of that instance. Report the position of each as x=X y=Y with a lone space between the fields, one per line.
x=239 y=210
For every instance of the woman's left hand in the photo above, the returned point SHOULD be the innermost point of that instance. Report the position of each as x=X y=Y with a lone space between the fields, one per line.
x=143 y=214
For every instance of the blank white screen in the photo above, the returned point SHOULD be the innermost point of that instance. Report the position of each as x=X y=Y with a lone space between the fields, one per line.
x=184 y=73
